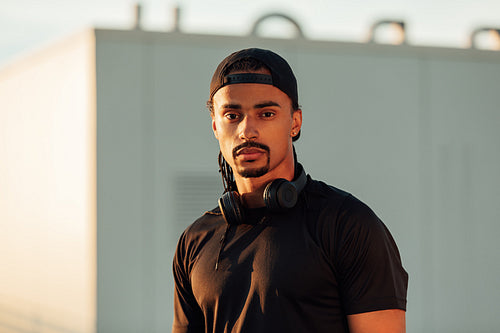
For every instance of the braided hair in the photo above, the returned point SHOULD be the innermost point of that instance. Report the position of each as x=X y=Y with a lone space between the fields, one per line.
x=227 y=174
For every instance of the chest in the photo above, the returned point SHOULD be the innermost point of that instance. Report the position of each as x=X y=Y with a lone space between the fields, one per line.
x=268 y=262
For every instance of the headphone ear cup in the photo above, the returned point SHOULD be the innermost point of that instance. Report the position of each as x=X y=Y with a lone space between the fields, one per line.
x=280 y=194
x=230 y=206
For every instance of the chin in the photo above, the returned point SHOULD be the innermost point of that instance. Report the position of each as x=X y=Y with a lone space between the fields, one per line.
x=253 y=172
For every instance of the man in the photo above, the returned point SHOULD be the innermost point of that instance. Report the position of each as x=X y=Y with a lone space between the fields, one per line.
x=282 y=252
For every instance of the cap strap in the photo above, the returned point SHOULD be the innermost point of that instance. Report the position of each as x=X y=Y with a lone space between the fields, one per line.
x=247 y=78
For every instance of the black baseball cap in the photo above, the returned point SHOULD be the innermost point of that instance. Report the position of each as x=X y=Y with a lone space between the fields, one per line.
x=281 y=77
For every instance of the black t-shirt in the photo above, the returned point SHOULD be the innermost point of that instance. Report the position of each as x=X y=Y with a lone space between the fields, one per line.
x=302 y=270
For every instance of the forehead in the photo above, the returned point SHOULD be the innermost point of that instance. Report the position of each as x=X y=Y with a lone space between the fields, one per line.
x=250 y=94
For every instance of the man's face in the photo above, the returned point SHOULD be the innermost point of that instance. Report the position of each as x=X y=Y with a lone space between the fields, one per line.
x=254 y=124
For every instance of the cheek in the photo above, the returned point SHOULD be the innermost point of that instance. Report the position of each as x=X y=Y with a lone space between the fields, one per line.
x=281 y=139
x=224 y=136
x=225 y=143
x=282 y=132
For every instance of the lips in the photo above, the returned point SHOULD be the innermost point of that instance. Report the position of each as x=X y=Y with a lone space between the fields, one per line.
x=250 y=154
x=249 y=151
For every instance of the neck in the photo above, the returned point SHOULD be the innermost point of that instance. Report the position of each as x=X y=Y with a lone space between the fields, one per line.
x=251 y=191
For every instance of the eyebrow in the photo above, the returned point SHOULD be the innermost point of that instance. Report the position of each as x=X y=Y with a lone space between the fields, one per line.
x=231 y=106
x=266 y=104
x=261 y=105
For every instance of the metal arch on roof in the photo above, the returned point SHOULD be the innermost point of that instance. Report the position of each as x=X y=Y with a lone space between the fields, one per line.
x=399 y=23
x=279 y=15
x=477 y=31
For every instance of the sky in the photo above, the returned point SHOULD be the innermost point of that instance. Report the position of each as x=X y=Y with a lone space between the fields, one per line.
x=26 y=25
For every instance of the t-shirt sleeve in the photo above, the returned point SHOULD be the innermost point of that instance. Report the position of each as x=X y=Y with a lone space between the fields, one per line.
x=370 y=273
x=188 y=316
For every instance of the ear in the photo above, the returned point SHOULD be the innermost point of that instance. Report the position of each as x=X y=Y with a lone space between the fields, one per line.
x=296 y=122
x=214 y=126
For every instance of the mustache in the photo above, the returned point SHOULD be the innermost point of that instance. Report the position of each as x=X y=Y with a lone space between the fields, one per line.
x=249 y=144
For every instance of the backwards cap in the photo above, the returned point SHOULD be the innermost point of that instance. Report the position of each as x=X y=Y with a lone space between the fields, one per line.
x=281 y=77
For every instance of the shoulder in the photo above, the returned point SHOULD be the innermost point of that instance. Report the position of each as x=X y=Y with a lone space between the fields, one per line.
x=339 y=213
x=319 y=190
x=323 y=197
x=197 y=235
x=204 y=225
x=360 y=248
x=201 y=231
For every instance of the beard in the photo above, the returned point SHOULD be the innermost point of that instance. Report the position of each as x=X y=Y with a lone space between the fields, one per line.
x=252 y=172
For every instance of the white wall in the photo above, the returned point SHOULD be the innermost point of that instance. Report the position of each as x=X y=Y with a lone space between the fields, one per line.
x=47 y=190
x=464 y=191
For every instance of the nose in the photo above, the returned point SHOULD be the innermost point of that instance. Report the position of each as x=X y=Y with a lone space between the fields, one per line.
x=248 y=128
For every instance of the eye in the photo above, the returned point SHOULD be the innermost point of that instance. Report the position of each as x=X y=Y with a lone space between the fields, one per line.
x=268 y=114
x=231 y=115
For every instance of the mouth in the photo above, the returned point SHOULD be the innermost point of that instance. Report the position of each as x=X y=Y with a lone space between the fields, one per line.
x=250 y=154
x=250 y=151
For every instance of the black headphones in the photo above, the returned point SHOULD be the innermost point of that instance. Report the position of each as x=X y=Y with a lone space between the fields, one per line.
x=279 y=195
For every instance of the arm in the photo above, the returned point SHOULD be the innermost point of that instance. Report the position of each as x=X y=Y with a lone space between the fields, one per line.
x=384 y=321
x=373 y=280
x=188 y=317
